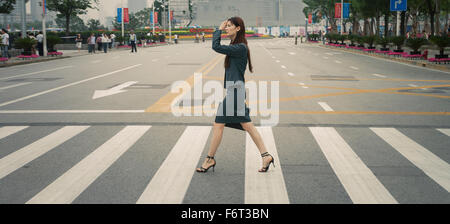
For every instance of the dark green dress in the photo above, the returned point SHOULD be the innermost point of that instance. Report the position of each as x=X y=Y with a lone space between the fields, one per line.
x=233 y=113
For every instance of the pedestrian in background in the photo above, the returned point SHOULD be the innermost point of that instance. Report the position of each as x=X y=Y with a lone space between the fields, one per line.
x=91 y=43
x=99 y=42
x=105 y=41
x=113 y=39
x=40 y=44
x=79 y=42
x=5 y=43
x=133 y=40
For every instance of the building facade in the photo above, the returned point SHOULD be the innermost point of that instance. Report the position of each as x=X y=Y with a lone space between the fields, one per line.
x=254 y=12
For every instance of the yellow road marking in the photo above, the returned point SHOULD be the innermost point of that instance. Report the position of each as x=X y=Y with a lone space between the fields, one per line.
x=164 y=103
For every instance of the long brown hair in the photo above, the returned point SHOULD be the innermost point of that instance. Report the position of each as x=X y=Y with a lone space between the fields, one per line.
x=240 y=38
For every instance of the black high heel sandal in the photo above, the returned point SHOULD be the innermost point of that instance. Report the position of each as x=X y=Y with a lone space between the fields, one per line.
x=265 y=169
x=204 y=170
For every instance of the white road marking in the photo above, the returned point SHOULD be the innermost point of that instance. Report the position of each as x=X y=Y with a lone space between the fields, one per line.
x=445 y=131
x=263 y=188
x=329 y=54
x=32 y=73
x=7 y=131
x=325 y=57
x=277 y=61
x=338 y=62
x=112 y=91
x=96 y=61
x=284 y=67
x=21 y=157
x=436 y=168
x=303 y=85
x=171 y=181
x=292 y=53
x=358 y=180
x=354 y=68
x=291 y=74
x=68 y=85
x=325 y=106
x=412 y=85
x=15 y=85
x=72 y=183
x=381 y=76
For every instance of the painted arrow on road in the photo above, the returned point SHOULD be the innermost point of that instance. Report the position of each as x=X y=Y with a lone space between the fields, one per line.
x=112 y=91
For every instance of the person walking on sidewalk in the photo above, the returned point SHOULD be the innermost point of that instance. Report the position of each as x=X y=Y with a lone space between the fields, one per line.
x=91 y=44
x=133 y=40
x=237 y=56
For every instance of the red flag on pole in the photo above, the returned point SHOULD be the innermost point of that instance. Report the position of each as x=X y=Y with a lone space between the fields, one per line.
x=337 y=10
x=310 y=18
x=156 y=17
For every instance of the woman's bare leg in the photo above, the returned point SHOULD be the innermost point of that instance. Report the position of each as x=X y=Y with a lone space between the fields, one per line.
x=250 y=128
x=215 y=142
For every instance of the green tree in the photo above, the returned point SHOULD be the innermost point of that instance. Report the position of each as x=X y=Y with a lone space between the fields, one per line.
x=68 y=9
x=324 y=8
x=6 y=6
x=76 y=23
x=94 y=24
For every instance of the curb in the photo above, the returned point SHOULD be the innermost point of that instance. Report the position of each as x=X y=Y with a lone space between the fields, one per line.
x=416 y=63
x=32 y=61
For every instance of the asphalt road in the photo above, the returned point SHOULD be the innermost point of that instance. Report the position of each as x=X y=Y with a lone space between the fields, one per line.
x=346 y=129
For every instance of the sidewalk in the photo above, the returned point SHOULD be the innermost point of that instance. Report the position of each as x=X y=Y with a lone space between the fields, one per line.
x=66 y=54
x=416 y=62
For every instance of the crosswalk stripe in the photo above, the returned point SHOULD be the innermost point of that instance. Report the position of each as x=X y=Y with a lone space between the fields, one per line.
x=171 y=181
x=21 y=157
x=7 y=131
x=358 y=180
x=71 y=184
x=263 y=188
x=436 y=168
x=445 y=131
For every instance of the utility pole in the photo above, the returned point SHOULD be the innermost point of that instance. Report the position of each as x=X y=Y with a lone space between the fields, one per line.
x=398 y=22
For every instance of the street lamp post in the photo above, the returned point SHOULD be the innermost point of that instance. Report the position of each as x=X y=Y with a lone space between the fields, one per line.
x=123 y=30
x=44 y=29
x=342 y=16
x=170 y=26
x=23 y=18
x=153 y=8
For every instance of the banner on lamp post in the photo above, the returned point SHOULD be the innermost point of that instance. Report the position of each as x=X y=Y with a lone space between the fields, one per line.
x=310 y=18
x=126 y=16
x=337 y=10
x=119 y=15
